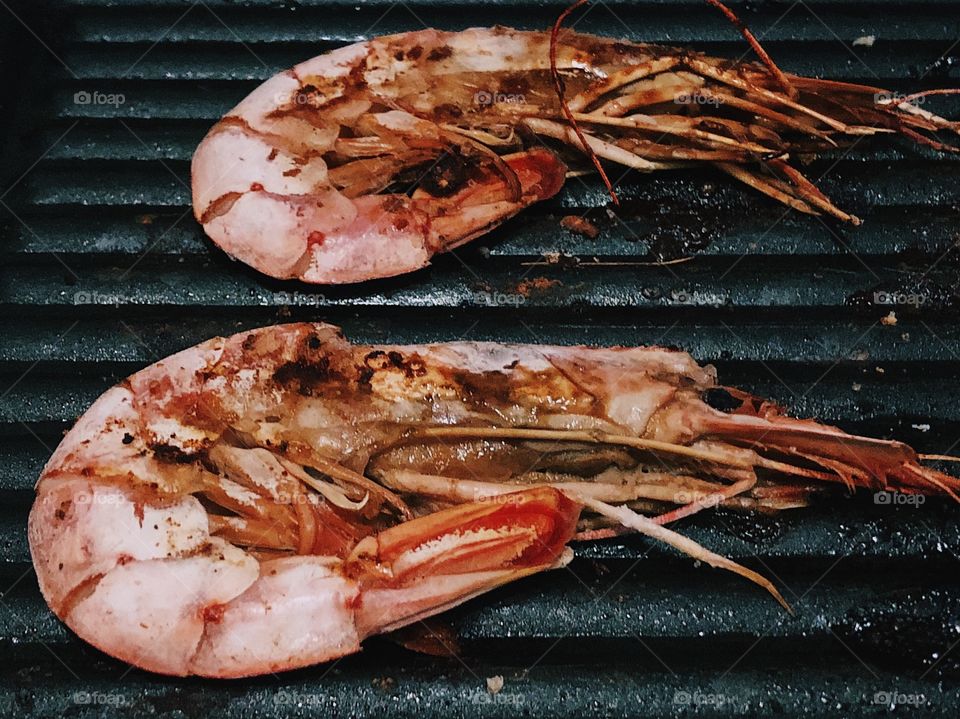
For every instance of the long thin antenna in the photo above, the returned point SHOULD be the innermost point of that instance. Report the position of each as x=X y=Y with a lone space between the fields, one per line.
x=561 y=89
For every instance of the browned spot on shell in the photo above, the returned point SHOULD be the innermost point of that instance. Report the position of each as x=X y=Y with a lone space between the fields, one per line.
x=172 y=454
x=64 y=509
x=305 y=376
x=447 y=110
x=440 y=53
x=393 y=203
x=221 y=206
x=378 y=360
x=213 y=613
x=515 y=84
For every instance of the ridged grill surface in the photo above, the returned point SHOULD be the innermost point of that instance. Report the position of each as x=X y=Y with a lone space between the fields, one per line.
x=104 y=270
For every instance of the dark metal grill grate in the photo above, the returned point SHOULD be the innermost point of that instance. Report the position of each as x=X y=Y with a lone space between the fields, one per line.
x=105 y=271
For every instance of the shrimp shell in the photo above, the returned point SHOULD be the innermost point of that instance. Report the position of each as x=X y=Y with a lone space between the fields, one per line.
x=268 y=500
x=368 y=160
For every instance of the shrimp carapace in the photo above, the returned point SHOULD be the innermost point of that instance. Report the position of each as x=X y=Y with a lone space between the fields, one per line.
x=266 y=501
x=368 y=160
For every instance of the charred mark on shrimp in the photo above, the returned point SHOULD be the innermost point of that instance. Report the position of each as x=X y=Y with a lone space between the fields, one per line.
x=379 y=360
x=306 y=376
x=172 y=454
x=449 y=173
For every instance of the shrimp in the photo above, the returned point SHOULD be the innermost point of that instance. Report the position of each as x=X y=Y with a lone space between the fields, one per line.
x=368 y=160
x=267 y=501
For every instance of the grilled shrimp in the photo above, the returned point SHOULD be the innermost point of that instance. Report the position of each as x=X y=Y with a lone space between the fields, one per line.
x=267 y=501
x=368 y=160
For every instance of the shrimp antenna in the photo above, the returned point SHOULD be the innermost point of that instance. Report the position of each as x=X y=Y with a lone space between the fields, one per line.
x=757 y=47
x=955 y=126
x=561 y=89
x=939 y=458
x=924 y=93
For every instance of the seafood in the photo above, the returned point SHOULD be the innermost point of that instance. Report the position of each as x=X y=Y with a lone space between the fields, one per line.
x=268 y=500
x=368 y=160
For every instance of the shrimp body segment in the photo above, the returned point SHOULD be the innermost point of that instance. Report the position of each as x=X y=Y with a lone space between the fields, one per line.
x=268 y=500
x=368 y=160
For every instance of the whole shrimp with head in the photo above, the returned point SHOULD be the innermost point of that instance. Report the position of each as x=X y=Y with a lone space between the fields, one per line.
x=267 y=501
x=368 y=160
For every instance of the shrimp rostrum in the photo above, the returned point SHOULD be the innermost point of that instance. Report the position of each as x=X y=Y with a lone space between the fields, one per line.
x=267 y=501
x=368 y=160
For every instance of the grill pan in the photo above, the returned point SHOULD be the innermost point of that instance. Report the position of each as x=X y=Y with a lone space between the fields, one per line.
x=104 y=270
